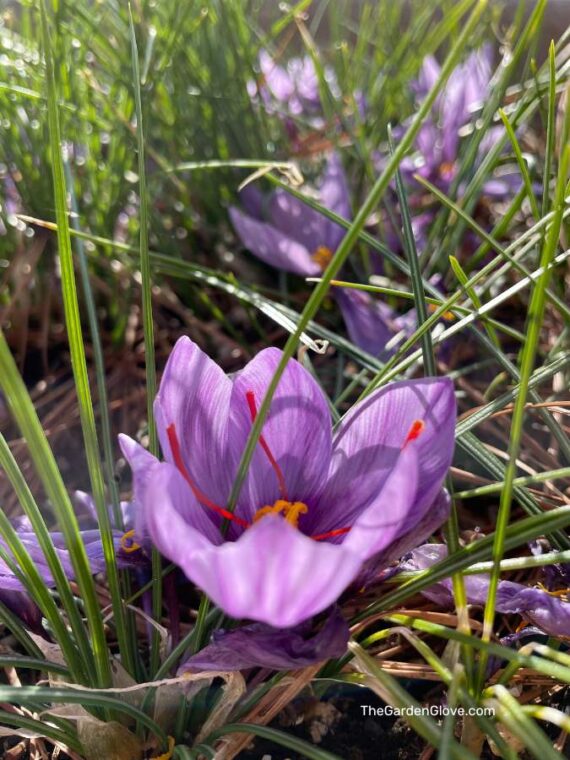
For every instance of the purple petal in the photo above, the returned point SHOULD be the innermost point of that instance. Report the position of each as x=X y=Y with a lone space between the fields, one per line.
x=253 y=201
x=194 y=395
x=273 y=246
x=367 y=320
x=276 y=77
x=392 y=511
x=334 y=195
x=428 y=76
x=547 y=612
x=297 y=431
x=259 y=645
x=298 y=221
x=304 y=224
x=369 y=441
x=175 y=520
x=271 y=573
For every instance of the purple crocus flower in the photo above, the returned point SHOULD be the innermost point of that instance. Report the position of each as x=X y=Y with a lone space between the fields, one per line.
x=439 y=139
x=260 y=646
x=292 y=89
x=539 y=607
x=286 y=233
x=314 y=509
x=13 y=592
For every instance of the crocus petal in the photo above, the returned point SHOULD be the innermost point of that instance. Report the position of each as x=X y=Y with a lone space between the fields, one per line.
x=273 y=246
x=22 y=605
x=298 y=221
x=389 y=514
x=259 y=645
x=175 y=520
x=194 y=395
x=334 y=195
x=428 y=76
x=432 y=519
x=297 y=431
x=272 y=573
x=252 y=199
x=141 y=463
x=275 y=77
x=369 y=441
x=367 y=320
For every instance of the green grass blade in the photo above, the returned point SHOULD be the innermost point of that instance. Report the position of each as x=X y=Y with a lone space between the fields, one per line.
x=535 y=319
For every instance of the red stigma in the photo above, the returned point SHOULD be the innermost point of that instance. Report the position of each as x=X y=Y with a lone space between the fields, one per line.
x=250 y=396
x=330 y=534
x=416 y=429
x=201 y=497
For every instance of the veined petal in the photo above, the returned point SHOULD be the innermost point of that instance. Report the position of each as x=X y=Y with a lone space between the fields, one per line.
x=194 y=395
x=177 y=523
x=273 y=246
x=369 y=441
x=273 y=573
x=297 y=432
x=260 y=645
x=276 y=77
x=391 y=513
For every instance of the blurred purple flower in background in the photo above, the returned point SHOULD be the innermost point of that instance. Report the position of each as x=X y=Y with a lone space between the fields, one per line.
x=13 y=592
x=286 y=233
x=291 y=89
x=315 y=508
x=438 y=142
x=539 y=607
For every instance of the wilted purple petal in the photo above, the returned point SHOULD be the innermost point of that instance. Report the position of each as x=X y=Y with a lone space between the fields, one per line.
x=540 y=608
x=259 y=645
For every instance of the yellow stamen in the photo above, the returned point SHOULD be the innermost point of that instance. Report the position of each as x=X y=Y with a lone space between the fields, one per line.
x=132 y=546
x=523 y=624
x=167 y=755
x=559 y=592
x=446 y=168
x=291 y=510
x=322 y=256
x=449 y=316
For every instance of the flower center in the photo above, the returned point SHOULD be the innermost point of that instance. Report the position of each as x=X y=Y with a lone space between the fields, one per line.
x=291 y=511
x=322 y=256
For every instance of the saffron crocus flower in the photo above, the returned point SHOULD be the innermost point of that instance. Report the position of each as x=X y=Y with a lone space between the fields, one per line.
x=259 y=645
x=286 y=233
x=291 y=89
x=314 y=509
x=13 y=592
x=438 y=141
x=541 y=608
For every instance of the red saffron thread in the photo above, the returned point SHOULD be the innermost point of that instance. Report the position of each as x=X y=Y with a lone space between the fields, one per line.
x=416 y=429
x=330 y=534
x=264 y=445
x=202 y=498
